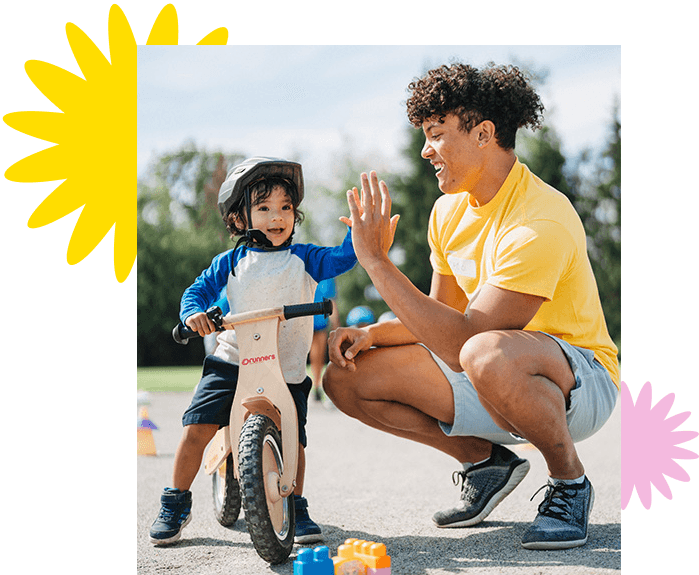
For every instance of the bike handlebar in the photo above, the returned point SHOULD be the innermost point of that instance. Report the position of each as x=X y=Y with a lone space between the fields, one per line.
x=182 y=334
x=324 y=307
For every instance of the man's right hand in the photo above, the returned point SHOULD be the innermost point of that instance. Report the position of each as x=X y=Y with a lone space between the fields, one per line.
x=345 y=343
x=200 y=323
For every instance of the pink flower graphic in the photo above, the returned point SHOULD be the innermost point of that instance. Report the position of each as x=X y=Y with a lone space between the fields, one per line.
x=649 y=445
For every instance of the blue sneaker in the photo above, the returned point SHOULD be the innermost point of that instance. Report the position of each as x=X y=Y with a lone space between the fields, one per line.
x=175 y=514
x=563 y=517
x=307 y=531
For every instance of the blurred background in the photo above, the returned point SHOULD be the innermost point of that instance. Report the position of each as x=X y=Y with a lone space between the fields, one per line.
x=340 y=110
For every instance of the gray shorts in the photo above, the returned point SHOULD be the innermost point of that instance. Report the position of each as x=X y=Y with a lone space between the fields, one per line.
x=592 y=400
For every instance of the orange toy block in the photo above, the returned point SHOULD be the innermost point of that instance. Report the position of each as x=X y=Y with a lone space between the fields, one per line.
x=368 y=553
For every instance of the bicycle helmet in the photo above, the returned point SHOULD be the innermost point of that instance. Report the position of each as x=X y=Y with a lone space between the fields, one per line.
x=360 y=314
x=236 y=188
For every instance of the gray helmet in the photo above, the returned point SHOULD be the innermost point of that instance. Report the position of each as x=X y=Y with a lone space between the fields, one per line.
x=232 y=191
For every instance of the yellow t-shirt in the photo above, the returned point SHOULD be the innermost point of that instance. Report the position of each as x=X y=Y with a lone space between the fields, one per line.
x=527 y=239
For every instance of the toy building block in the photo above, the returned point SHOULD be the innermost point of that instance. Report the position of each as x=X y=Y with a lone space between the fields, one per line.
x=314 y=562
x=144 y=434
x=372 y=556
x=346 y=566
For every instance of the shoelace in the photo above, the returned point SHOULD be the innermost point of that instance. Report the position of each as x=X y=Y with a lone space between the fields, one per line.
x=458 y=475
x=469 y=492
x=558 y=500
x=168 y=514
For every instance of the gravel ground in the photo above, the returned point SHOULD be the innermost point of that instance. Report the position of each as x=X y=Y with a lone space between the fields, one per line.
x=369 y=485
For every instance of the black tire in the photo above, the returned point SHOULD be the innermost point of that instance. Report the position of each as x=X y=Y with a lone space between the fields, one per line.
x=226 y=493
x=270 y=524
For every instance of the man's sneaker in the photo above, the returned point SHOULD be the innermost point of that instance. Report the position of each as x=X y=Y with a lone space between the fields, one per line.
x=563 y=517
x=175 y=514
x=483 y=486
x=307 y=531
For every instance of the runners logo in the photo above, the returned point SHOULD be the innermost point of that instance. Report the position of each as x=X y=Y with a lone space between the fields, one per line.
x=249 y=360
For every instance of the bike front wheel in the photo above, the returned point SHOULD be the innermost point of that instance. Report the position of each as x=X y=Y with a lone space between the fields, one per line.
x=269 y=517
x=226 y=493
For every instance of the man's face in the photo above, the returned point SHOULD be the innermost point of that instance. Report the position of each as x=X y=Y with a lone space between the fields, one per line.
x=453 y=152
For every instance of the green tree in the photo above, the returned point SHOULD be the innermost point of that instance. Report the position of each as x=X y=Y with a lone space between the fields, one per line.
x=352 y=286
x=179 y=232
x=414 y=194
x=593 y=185
x=599 y=205
x=542 y=155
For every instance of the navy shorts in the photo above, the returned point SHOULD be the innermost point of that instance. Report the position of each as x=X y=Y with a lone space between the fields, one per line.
x=213 y=397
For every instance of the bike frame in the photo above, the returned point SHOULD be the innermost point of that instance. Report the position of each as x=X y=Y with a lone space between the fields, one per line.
x=261 y=389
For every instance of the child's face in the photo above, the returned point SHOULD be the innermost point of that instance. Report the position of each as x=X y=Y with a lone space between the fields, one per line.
x=274 y=216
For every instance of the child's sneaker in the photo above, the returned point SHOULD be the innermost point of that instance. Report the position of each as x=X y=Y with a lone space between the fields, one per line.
x=563 y=517
x=483 y=486
x=175 y=514
x=307 y=531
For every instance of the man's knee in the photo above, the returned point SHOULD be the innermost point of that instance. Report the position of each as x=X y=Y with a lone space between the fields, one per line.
x=482 y=354
x=333 y=382
x=341 y=386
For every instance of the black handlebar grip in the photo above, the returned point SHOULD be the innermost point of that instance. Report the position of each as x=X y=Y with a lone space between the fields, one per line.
x=182 y=334
x=324 y=307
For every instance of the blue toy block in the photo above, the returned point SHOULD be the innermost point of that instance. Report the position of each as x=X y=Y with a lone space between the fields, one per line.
x=314 y=562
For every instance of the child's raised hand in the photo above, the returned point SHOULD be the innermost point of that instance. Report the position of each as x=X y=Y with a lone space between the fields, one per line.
x=345 y=219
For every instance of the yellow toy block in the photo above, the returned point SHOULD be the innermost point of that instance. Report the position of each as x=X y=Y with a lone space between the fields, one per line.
x=356 y=553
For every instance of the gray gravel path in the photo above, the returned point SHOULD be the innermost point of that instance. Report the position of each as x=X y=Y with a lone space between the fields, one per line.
x=369 y=485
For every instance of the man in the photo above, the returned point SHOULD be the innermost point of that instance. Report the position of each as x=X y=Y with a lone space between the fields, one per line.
x=511 y=345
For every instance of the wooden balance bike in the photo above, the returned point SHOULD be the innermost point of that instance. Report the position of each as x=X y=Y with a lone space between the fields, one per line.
x=263 y=427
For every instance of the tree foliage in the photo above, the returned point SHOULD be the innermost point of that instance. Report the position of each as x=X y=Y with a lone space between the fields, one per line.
x=179 y=232
x=354 y=286
x=593 y=185
x=414 y=195
x=598 y=201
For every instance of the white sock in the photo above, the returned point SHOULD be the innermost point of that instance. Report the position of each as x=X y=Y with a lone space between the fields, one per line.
x=569 y=481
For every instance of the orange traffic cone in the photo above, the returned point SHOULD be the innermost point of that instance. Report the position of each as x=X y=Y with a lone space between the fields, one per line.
x=146 y=443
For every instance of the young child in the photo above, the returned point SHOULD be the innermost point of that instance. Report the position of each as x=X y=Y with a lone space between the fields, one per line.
x=259 y=202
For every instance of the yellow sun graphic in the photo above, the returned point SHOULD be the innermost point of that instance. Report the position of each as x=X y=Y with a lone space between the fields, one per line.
x=95 y=137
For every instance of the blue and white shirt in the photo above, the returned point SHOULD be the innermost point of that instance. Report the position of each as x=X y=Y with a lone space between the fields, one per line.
x=266 y=279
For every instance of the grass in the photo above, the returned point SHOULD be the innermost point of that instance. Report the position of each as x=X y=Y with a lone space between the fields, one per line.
x=180 y=378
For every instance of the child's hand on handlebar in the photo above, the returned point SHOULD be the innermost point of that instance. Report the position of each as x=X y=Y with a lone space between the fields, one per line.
x=345 y=343
x=200 y=323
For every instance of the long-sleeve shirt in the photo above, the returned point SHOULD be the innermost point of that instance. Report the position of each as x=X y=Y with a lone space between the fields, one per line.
x=264 y=279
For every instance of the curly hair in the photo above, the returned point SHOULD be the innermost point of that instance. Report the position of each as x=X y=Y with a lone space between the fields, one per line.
x=260 y=190
x=501 y=94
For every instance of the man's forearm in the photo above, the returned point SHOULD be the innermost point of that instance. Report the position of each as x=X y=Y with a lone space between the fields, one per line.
x=440 y=327
x=389 y=333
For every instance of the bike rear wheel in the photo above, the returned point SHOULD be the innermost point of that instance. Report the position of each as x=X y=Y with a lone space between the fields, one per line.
x=269 y=517
x=226 y=493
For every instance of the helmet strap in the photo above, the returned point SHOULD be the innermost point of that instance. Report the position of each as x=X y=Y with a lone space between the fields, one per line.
x=254 y=238
x=251 y=234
